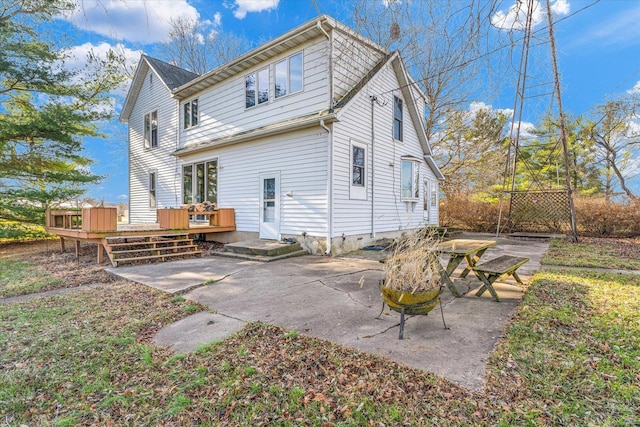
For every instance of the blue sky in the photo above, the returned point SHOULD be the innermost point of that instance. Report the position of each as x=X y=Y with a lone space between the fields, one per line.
x=598 y=45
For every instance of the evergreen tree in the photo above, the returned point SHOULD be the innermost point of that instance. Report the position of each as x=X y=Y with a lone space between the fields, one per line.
x=45 y=111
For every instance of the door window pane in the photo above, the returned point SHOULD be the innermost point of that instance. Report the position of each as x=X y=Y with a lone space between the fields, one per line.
x=269 y=189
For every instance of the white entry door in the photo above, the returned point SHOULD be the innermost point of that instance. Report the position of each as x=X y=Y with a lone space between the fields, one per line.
x=270 y=206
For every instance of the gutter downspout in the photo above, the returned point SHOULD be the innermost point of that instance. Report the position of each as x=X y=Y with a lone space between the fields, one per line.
x=329 y=144
x=329 y=186
x=319 y=25
x=374 y=99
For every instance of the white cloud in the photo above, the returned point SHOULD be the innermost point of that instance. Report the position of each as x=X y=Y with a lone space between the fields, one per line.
x=245 y=6
x=217 y=19
x=123 y=197
x=635 y=89
x=516 y=17
x=77 y=60
x=143 y=21
x=388 y=3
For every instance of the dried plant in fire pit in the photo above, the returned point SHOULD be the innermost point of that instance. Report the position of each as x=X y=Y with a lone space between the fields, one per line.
x=413 y=264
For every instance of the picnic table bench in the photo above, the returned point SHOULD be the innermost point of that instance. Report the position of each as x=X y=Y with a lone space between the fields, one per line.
x=459 y=250
x=488 y=272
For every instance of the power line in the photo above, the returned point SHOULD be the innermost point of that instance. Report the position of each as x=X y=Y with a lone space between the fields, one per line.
x=491 y=52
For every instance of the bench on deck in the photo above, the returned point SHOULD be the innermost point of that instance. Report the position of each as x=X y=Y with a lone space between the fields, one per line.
x=488 y=272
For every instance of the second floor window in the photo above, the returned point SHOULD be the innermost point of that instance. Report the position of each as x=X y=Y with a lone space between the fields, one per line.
x=288 y=75
x=191 y=117
x=397 y=118
x=151 y=129
x=257 y=88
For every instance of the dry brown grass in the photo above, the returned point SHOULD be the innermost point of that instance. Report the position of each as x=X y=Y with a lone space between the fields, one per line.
x=413 y=264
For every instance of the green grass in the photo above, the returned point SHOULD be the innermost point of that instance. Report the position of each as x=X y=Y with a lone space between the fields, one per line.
x=570 y=356
x=599 y=253
x=19 y=278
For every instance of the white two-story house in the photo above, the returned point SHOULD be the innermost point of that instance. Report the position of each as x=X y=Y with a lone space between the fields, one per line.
x=317 y=135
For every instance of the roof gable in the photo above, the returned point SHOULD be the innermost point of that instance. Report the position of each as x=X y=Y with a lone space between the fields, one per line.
x=170 y=76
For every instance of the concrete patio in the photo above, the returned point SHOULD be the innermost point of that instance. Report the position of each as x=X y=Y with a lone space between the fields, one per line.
x=323 y=297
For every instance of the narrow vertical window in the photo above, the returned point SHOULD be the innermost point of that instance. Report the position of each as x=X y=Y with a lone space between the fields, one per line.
x=257 y=88
x=212 y=181
x=263 y=86
x=187 y=184
x=151 y=129
x=397 y=118
x=152 y=190
x=250 y=90
x=190 y=116
x=288 y=77
x=434 y=194
x=427 y=194
x=357 y=174
x=200 y=183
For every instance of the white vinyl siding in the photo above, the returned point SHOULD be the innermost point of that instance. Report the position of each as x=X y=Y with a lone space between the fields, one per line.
x=352 y=60
x=223 y=109
x=391 y=212
x=300 y=158
x=153 y=96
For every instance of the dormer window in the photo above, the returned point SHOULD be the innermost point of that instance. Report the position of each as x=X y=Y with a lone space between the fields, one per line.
x=191 y=114
x=257 y=88
x=288 y=75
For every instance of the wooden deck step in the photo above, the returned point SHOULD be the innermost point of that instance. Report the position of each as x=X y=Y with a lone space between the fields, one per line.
x=162 y=257
x=181 y=248
x=126 y=249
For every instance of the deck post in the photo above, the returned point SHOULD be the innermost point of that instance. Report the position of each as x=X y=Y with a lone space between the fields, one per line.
x=61 y=244
x=101 y=250
x=77 y=248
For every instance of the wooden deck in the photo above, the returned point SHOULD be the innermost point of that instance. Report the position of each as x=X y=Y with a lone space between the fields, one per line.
x=97 y=225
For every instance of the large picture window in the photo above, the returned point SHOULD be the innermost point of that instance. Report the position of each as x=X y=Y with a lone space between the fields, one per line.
x=257 y=88
x=151 y=129
x=409 y=179
x=191 y=114
x=397 y=118
x=288 y=75
x=201 y=187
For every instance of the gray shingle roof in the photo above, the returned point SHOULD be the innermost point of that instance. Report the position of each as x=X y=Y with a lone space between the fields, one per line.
x=171 y=75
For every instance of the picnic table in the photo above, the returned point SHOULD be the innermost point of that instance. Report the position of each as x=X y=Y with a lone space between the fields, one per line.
x=461 y=249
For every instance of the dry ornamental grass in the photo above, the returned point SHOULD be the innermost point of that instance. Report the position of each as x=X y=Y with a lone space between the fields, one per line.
x=413 y=265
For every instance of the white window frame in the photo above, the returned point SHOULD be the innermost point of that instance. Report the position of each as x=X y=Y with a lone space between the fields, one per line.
x=149 y=126
x=153 y=189
x=258 y=86
x=287 y=63
x=357 y=191
x=414 y=192
x=188 y=116
x=194 y=180
x=399 y=120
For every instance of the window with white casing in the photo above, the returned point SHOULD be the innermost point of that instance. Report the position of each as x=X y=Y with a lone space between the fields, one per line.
x=288 y=77
x=191 y=115
x=151 y=129
x=153 y=178
x=359 y=169
x=410 y=179
x=397 y=119
x=257 y=88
